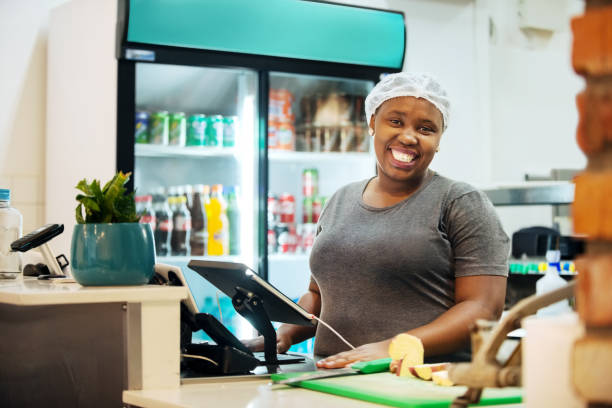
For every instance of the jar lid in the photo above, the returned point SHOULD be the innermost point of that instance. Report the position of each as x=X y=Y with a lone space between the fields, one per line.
x=5 y=194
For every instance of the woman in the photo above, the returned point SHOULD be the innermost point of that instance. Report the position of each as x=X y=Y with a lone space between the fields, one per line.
x=408 y=250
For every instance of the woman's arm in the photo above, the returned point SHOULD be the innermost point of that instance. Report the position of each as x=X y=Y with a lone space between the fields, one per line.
x=289 y=334
x=476 y=297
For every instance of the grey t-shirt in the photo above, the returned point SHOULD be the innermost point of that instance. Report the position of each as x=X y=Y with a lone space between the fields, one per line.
x=383 y=271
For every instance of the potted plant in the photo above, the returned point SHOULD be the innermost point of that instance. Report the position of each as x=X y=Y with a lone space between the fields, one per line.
x=109 y=245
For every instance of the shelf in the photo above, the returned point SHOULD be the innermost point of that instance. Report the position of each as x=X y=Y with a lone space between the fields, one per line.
x=551 y=193
x=292 y=157
x=146 y=150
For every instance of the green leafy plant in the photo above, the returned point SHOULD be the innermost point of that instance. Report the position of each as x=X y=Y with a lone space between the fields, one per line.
x=110 y=204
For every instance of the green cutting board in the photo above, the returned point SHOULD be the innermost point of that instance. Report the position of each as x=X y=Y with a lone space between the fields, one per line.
x=404 y=392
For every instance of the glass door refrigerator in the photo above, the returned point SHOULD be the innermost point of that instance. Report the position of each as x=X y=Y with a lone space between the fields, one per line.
x=196 y=168
x=225 y=110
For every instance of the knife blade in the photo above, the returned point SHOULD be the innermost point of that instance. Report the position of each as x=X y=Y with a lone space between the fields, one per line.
x=362 y=367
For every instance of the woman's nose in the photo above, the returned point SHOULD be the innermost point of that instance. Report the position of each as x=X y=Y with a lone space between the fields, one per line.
x=407 y=137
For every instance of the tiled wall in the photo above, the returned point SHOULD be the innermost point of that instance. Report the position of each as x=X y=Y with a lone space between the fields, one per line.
x=23 y=87
x=27 y=195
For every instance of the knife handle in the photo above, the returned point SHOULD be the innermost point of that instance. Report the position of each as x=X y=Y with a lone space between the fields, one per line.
x=374 y=366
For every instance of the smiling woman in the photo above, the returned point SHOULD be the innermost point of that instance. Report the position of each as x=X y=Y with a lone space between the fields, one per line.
x=407 y=251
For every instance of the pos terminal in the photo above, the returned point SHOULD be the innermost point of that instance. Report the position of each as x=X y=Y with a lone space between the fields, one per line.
x=253 y=298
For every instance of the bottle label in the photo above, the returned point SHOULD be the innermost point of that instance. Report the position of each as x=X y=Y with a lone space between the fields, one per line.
x=148 y=219
x=182 y=224
x=165 y=225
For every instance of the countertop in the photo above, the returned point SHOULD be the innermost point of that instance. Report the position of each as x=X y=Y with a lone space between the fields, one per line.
x=248 y=393
x=31 y=291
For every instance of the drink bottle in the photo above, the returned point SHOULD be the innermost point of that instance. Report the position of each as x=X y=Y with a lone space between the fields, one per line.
x=218 y=225
x=10 y=230
x=199 y=233
x=163 y=227
x=233 y=216
x=181 y=220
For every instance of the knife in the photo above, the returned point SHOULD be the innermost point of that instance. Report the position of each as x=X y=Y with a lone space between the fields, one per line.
x=362 y=367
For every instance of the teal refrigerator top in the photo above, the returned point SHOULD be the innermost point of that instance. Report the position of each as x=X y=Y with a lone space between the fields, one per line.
x=297 y=29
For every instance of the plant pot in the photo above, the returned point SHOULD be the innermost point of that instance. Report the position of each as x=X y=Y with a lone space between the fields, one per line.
x=112 y=254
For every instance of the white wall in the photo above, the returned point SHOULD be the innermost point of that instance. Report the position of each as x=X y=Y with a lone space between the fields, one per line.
x=533 y=86
x=23 y=26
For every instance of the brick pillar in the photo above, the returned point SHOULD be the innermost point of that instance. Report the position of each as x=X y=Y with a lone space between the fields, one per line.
x=592 y=210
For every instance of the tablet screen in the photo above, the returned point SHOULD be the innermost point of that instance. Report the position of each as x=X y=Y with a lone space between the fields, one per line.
x=228 y=275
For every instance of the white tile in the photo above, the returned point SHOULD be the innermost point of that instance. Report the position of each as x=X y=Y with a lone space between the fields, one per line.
x=26 y=189
x=6 y=181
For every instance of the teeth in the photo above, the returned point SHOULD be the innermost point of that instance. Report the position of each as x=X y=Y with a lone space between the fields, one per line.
x=403 y=157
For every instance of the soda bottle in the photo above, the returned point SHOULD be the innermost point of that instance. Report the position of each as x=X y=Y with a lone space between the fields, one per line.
x=188 y=193
x=147 y=215
x=181 y=220
x=199 y=233
x=163 y=227
x=233 y=215
x=10 y=230
x=172 y=194
x=218 y=228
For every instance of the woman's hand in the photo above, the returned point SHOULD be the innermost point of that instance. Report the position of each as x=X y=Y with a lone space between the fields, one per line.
x=366 y=352
x=283 y=342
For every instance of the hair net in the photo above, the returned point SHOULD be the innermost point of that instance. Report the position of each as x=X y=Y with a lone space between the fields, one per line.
x=408 y=84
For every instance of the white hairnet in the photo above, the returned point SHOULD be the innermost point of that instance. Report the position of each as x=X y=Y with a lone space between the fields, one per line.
x=399 y=84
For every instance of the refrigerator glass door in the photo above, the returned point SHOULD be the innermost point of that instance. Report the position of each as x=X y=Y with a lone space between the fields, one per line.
x=196 y=139
x=318 y=142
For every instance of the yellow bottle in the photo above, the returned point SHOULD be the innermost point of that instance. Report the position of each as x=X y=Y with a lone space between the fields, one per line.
x=218 y=224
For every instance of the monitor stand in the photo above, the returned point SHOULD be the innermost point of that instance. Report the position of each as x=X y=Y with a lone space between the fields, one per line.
x=250 y=306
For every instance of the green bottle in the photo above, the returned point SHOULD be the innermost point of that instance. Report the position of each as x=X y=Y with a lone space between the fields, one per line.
x=233 y=215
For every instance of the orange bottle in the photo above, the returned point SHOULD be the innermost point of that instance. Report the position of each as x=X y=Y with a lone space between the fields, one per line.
x=218 y=224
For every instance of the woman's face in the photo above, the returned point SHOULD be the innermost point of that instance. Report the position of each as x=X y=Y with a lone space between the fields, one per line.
x=407 y=132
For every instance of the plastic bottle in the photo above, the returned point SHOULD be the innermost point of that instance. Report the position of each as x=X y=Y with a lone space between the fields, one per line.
x=147 y=215
x=233 y=215
x=164 y=225
x=218 y=225
x=181 y=220
x=10 y=230
x=188 y=193
x=199 y=233
x=551 y=281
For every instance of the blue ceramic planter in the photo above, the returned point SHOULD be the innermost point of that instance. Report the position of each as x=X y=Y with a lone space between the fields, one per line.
x=112 y=254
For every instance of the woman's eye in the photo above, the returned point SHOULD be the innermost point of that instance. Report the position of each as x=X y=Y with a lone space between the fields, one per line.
x=426 y=129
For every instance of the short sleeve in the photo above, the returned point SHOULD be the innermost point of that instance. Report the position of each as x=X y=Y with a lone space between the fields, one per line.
x=480 y=245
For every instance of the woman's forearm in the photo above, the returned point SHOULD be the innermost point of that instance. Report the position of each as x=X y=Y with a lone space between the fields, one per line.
x=451 y=330
x=311 y=302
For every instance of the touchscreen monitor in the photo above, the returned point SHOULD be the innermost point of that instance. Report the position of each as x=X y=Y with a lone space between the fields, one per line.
x=228 y=275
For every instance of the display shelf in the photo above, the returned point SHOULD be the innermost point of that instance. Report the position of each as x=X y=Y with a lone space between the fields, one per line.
x=316 y=157
x=147 y=150
x=532 y=193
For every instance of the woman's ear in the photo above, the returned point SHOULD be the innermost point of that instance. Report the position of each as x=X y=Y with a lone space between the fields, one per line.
x=371 y=127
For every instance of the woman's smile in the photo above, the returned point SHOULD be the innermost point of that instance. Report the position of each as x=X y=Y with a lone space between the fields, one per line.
x=403 y=158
